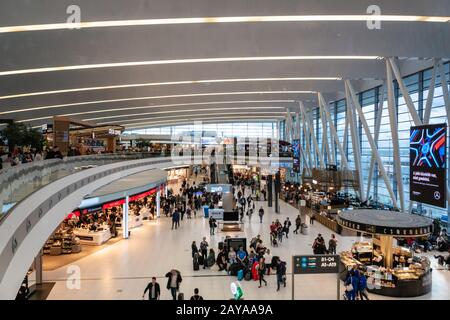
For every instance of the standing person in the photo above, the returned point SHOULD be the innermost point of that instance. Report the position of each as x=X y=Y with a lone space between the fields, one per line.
x=204 y=251
x=241 y=214
x=332 y=244
x=173 y=282
x=268 y=258
x=153 y=289
x=281 y=273
x=175 y=219
x=194 y=249
x=287 y=226
x=261 y=270
x=312 y=218
x=362 y=287
x=261 y=214
x=196 y=296
x=212 y=225
x=298 y=224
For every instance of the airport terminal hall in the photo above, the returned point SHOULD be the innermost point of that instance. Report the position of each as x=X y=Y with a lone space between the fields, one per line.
x=237 y=151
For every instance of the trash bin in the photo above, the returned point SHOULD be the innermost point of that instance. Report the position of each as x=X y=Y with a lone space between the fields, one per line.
x=304 y=229
x=206 y=211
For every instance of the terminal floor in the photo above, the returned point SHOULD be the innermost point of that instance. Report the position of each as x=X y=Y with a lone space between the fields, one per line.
x=122 y=270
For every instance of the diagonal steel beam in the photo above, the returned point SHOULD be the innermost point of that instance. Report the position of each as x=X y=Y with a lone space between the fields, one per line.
x=351 y=92
x=307 y=138
x=376 y=136
x=355 y=142
x=405 y=93
x=430 y=97
x=393 y=122
x=333 y=132
x=325 y=142
x=313 y=136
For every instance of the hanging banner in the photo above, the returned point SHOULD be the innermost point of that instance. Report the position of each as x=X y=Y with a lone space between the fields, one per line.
x=296 y=151
x=428 y=164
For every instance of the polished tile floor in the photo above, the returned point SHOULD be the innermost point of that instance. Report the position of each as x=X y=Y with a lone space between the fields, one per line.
x=122 y=270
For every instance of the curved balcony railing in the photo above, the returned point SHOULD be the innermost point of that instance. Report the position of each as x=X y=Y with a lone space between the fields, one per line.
x=20 y=181
x=27 y=226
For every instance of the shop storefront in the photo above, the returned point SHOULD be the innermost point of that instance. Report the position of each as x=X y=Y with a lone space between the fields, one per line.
x=390 y=270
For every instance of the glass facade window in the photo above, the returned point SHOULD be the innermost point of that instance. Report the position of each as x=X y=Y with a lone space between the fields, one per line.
x=418 y=86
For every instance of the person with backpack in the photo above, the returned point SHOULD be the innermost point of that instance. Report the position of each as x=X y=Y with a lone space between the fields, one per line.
x=196 y=296
x=204 y=251
x=173 y=282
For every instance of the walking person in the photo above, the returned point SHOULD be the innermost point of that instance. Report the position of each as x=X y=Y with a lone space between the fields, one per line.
x=362 y=287
x=298 y=224
x=281 y=273
x=261 y=214
x=261 y=270
x=153 y=289
x=204 y=251
x=332 y=244
x=173 y=282
x=287 y=226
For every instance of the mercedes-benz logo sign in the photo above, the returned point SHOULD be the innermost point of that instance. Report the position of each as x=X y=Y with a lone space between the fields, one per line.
x=437 y=195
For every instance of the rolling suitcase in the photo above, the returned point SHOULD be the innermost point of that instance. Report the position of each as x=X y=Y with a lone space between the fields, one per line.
x=200 y=260
x=240 y=275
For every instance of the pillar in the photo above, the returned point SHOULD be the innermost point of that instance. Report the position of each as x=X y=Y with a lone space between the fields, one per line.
x=125 y=218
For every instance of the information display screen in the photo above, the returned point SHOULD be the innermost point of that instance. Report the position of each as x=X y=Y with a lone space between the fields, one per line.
x=296 y=151
x=321 y=263
x=428 y=159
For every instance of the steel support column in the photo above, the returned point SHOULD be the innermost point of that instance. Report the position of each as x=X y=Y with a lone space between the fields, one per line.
x=376 y=136
x=355 y=142
x=313 y=137
x=334 y=132
x=430 y=97
x=350 y=91
x=394 y=132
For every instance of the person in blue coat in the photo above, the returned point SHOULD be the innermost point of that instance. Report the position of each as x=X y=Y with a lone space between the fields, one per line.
x=351 y=284
x=362 y=287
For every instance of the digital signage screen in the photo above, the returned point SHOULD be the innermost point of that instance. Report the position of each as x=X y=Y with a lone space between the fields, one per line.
x=428 y=163
x=296 y=151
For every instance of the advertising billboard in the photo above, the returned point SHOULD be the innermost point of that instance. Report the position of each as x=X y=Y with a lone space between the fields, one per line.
x=296 y=151
x=428 y=163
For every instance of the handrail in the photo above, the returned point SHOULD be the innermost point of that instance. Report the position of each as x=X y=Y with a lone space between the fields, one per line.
x=32 y=220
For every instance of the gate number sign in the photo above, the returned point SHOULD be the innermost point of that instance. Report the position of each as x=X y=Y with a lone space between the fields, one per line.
x=311 y=264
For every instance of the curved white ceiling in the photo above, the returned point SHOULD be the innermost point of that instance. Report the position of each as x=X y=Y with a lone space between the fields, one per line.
x=171 y=58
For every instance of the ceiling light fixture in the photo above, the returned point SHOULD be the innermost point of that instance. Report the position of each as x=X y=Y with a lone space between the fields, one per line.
x=163 y=106
x=210 y=20
x=124 y=122
x=180 y=111
x=151 y=84
x=179 y=61
x=146 y=123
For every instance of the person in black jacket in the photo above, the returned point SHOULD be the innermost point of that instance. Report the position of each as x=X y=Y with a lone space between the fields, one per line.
x=196 y=296
x=173 y=282
x=153 y=289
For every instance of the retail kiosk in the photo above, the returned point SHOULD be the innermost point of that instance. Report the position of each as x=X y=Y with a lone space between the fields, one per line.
x=390 y=271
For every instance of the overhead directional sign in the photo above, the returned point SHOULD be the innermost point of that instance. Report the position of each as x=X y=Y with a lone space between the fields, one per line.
x=311 y=264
